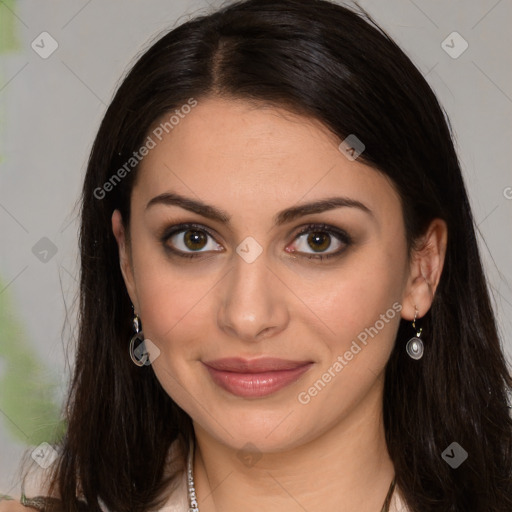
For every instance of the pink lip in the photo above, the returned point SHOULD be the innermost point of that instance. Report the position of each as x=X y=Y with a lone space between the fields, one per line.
x=255 y=378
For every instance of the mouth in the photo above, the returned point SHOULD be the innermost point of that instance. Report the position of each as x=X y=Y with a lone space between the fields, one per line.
x=255 y=378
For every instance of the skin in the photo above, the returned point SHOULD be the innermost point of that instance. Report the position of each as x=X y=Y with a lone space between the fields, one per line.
x=252 y=162
x=12 y=506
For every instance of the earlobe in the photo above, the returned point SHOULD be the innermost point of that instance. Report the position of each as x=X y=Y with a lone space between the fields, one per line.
x=124 y=254
x=426 y=267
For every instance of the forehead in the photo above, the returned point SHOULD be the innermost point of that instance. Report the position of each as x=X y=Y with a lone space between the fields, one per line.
x=253 y=156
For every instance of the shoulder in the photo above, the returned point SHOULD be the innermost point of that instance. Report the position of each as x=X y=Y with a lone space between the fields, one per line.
x=36 y=483
x=12 y=506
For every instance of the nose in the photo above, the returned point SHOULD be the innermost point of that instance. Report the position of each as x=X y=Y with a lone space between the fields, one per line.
x=253 y=301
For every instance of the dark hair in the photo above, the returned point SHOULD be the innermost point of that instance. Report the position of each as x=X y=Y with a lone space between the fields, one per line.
x=327 y=62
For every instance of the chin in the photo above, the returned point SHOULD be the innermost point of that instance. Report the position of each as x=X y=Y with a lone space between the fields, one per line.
x=266 y=431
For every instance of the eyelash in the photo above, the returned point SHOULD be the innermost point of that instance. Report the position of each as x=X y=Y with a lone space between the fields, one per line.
x=341 y=235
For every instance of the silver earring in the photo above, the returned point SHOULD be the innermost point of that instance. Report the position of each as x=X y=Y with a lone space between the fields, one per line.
x=415 y=346
x=139 y=355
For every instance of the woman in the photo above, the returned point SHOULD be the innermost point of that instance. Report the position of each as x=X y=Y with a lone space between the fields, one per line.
x=282 y=305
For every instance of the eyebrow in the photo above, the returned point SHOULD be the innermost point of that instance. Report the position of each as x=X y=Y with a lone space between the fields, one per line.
x=287 y=215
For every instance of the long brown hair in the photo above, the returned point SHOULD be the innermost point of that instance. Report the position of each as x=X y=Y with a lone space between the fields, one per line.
x=328 y=62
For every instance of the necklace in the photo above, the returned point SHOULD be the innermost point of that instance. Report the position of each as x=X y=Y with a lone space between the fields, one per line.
x=192 y=498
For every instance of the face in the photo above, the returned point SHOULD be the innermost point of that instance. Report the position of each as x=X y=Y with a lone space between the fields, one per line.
x=249 y=282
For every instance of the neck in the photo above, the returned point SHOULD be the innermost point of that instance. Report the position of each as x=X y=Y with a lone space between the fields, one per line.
x=345 y=468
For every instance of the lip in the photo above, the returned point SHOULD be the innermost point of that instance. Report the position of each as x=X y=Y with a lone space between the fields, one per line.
x=257 y=377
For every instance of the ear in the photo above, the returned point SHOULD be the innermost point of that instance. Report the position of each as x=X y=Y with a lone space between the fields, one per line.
x=426 y=266
x=125 y=260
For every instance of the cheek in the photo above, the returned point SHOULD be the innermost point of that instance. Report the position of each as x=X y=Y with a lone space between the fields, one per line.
x=173 y=317
x=173 y=310
x=171 y=300
x=364 y=289
x=362 y=312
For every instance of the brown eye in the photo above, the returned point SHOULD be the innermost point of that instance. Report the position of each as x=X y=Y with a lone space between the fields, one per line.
x=319 y=241
x=189 y=241
x=194 y=240
x=320 y=238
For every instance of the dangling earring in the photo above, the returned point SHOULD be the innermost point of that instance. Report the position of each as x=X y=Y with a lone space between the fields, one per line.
x=414 y=346
x=139 y=355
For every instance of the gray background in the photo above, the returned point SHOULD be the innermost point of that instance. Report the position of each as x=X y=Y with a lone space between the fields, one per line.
x=52 y=109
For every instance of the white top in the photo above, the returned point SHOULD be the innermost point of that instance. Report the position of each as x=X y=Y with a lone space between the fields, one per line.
x=178 y=501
